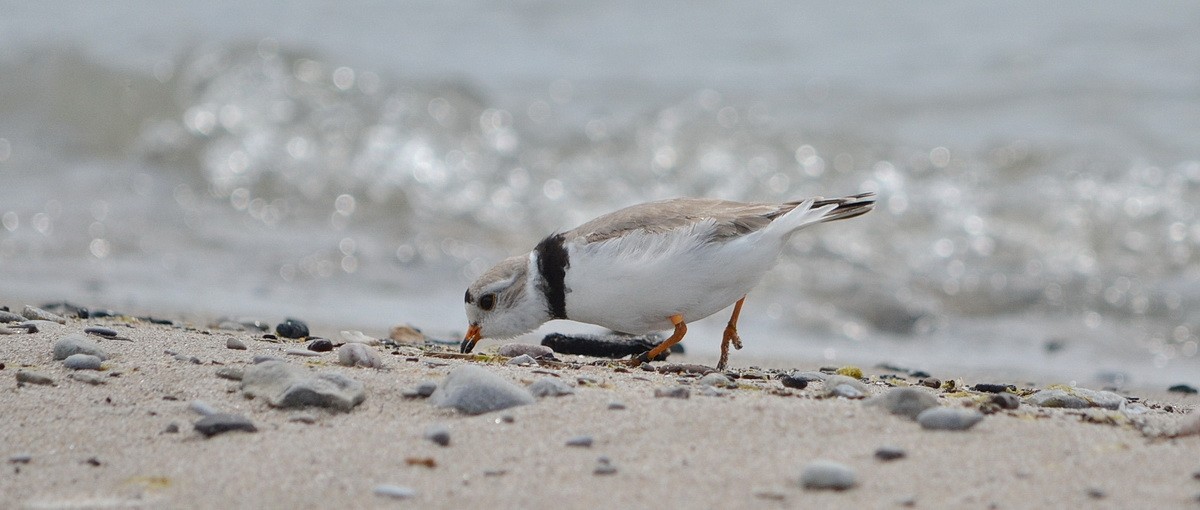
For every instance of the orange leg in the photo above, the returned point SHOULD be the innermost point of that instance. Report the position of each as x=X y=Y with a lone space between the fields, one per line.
x=680 y=330
x=731 y=335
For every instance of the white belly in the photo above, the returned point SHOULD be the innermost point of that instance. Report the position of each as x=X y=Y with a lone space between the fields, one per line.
x=635 y=285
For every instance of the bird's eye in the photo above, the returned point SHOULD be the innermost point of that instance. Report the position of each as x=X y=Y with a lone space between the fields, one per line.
x=487 y=301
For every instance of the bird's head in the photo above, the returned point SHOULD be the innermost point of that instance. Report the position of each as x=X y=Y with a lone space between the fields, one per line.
x=503 y=303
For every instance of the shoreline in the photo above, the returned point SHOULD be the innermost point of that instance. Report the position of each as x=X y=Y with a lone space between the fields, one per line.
x=109 y=445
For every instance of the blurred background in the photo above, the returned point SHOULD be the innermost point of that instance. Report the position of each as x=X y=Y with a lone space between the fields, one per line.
x=358 y=163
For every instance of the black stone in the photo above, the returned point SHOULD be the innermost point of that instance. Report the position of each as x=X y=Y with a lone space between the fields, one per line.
x=320 y=345
x=292 y=328
x=794 y=382
x=888 y=453
x=993 y=388
x=1183 y=388
x=99 y=331
x=220 y=423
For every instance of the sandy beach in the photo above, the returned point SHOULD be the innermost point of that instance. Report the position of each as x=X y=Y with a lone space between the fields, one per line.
x=114 y=444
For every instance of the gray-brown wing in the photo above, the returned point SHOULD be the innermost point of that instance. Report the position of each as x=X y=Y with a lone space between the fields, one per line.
x=732 y=219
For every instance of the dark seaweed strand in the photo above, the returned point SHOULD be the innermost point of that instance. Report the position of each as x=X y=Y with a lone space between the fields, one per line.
x=552 y=264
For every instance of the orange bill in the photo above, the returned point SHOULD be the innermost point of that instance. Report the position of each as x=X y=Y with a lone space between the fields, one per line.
x=474 y=333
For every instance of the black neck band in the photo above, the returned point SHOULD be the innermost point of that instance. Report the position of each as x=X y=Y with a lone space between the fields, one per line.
x=552 y=264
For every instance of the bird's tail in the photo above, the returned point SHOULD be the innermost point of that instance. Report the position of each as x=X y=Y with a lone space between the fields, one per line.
x=820 y=210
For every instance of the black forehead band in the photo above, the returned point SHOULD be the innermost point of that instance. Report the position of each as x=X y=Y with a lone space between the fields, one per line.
x=469 y=299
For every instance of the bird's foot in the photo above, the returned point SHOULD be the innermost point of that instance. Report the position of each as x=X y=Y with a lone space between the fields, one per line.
x=730 y=337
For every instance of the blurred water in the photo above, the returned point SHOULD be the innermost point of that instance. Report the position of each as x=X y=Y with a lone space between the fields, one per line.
x=359 y=164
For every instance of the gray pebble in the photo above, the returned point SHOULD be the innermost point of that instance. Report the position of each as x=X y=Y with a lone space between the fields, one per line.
x=439 y=434
x=41 y=315
x=231 y=373
x=616 y=406
x=948 y=418
x=711 y=391
x=522 y=360
x=888 y=453
x=88 y=377
x=826 y=474
x=846 y=391
x=394 y=491
x=201 y=407
x=100 y=331
x=172 y=428
x=359 y=355
x=82 y=362
x=6 y=331
x=716 y=379
x=550 y=387
x=1006 y=400
x=580 y=441
x=532 y=350
x=190 y=359
x=303 y=353
x=674 y=392
x=303 y=418
x=220 y=423
x=423 y=390
x=10 y=317
x=76 y=343
x=1102 y=399
x=907 y=402
x=604 y=466
x=1058 y=399
x=235 y=344
x=263 y=358
x=20 y=458
x=285 y=385
x=474 y=390
x=33 y=378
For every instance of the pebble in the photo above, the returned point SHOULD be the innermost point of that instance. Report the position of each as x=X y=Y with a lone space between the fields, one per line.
x=263 y=358
x=907 y=402
x=993 y=388
x=285 y=385
x=201 y=407
x=1178 y=388
x=6 y=331
x=846 y=391
x=405 y=334
x=532 y=350
x=394 y=491
x=219 y=423
x=41 y=315
x=99 y=331
x=357 y=337
x=474 y=390
x=675 y=392
x=33 y=378
x=889 y=453
x=604 y=466
x=791 y=381
x=320 y=345
x=580 y=441
x=834 y=384
x=550 y=387
x=10 y=317
x=1006 y=400
x=88 y=377
x=76 y=343
x=82 y=362
x=231 y=373
x=303 y=418
x=716 y=379
x=521 y=360
x=948 y=418
x=20 y=458
x=235 y=344
x=292 y=328
x=1102 y=399
x=359 y=355
x=826 y=474
x=930 y=382
x=1057 y=399
x=172 y=428
x=439 y=434
x=616 y=406
x=303 y=353
x=711 y=391
x=423 y=390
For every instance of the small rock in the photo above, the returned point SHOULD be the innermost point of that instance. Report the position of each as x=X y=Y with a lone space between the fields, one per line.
x=833 y=382
x=711 y=391
x=716 y=379
x=201 y=407
x=532 y=350
x=907 y=402
x=439 y=434
x=550 y=387
x=231 y=373
x=826 y=474
x=791 y=381
x=394 y=491
x=405 y=334
x=172 y=428
x=948 y=418
x=751 y=373
x=1006 y=400
x=220 y=423
x=474 y=390
x=675 y=392
x=604 y=466
x=303 y=418
x=993 y=388
x=99 y=331
x=320 y=345
x=235 y=344
x=359 y=355
x=930 y=382
x=41 y=315
x=33 y=378
x=76 y=343
x=263 y=358
x=10 y=317
x=423 y=390
x=889 y=453
x=357 y=337
x=1095 y=493
x=285 y=385
x=846 y=391
x=20 y=458
x=1183 y=388
x=1057 y=399
x=88 y=377
x=82 y=362
x=303 y=353
x=616 y=406
x=1102 y=399
x=292 y=328
x=580 y=441
x=523 y=359
x=6 y=331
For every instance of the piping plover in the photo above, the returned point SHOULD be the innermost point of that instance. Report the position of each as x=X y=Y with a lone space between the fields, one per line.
x=648 y=267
